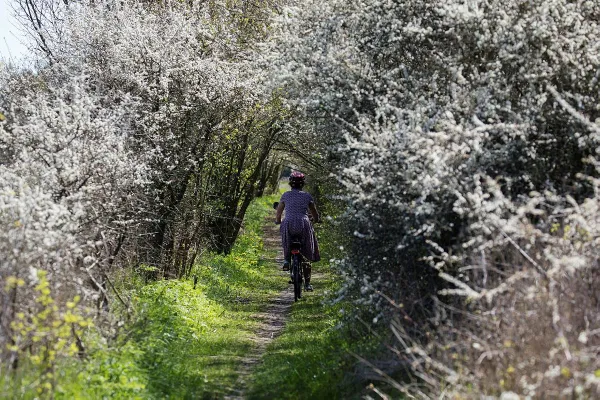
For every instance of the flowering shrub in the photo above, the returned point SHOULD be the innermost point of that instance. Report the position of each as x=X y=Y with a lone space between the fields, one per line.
x=139 y=140
x=465 y=139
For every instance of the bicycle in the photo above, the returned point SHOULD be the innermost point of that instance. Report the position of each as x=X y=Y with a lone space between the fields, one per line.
x=296 y=267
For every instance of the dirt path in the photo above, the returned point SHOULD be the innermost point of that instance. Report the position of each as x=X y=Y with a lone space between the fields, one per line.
x=272 y=320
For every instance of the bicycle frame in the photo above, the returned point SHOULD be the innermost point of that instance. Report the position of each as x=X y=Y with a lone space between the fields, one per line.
x=296 y=269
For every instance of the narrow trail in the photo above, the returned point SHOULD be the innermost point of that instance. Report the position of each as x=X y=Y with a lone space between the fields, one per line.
x=272 y=320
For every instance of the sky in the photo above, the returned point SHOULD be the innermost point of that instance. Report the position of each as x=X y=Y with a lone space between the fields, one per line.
x=11 y=39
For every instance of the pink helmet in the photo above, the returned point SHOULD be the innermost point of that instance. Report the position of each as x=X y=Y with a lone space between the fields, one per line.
x=296 y=178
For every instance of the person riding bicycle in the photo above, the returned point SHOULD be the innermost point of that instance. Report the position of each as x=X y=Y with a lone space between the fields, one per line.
x=297 y=205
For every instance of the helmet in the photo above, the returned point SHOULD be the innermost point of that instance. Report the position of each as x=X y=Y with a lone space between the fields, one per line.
x=296 y=179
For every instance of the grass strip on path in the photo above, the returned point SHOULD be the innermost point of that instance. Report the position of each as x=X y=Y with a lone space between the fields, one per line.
x=311 y=358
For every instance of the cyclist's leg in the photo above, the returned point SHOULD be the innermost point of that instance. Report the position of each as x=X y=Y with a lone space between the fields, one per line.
x=285 y=244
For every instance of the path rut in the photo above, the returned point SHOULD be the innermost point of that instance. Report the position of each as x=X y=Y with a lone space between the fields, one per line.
x=272 y=320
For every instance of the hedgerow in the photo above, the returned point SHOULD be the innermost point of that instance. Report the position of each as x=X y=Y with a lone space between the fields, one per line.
x=464 y=136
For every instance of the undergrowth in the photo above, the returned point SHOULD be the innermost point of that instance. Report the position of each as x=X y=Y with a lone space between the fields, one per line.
x=184 y=342
x=194 y=338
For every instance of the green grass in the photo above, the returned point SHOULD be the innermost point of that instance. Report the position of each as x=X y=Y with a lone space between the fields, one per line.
x=311 y=359
x=186 y=342
x=194 y=338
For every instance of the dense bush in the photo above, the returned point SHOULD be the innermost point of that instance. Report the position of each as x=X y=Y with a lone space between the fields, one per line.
x=139 y=139
x=463 y=134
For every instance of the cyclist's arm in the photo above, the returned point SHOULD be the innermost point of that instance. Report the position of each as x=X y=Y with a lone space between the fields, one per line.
x=314 y=212
x=280 y=208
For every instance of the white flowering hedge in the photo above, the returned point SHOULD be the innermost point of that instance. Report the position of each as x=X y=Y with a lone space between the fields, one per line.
x=466 y=143
x=139 y=140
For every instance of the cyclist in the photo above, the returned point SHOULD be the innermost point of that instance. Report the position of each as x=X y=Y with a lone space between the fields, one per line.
x=297 y=205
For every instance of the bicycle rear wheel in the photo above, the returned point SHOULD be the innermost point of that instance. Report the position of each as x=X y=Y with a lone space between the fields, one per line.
x=297 y=276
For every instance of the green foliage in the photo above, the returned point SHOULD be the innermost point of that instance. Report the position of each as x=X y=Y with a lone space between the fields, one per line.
x=182 y=343
x=191 y=340
x=187 y=342
x=40 y=338
x=109 y=373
